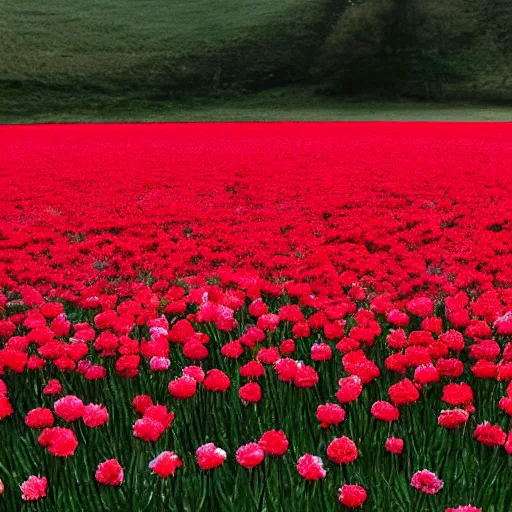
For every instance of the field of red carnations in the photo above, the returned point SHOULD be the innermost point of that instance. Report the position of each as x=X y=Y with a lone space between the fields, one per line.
x=256 y=317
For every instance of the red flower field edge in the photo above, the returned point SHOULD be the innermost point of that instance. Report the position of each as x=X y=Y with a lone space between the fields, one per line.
x=183 y=327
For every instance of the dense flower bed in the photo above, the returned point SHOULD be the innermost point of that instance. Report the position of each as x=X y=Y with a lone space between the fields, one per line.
x=256 y=317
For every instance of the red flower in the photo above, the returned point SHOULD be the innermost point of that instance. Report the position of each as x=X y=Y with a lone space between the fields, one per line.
x=53 y=387
x=426 y=374
x=195 y=372
x=397 y=318
x=252 y=370
x=5 y=407
x=34 y=488
x=384 y=411
x=95 y=415
x=352 y=496
x=195 y=350
x=251 y=392
x=305 y=376
x=159 y=413
x=330 y=414
x=321 y=352
x=311 y=467
x=39 y=418
x=159 y=364
x=394 y=445
x=182 y=387
x=301 y=330
x=148 y=429
x=504 y=371
x=342 y=451
x=457 y=394
x=110 y=472
x=15 y=360
x=61 y=442
x=490 y=435
x=427 y=482
x=291 y=313
x=396 y=363
x=286 y=369
x=268 y=322
x=141 y=403
x=165 y=464
x=453 y=418
x=287 y=347
x=216 y=381
x=350 y=389
x=397 y=339
x=268 y=355
x=453 y=339
x=274 y=442
x=508 y=443
x=450 y=367
x=69 y=408
x=250 y=455
x=232 y=349
x=403 y=392
x=484 y=369
x=95 y=372
x=127 y=366
x=209 y=456
x=258 y=308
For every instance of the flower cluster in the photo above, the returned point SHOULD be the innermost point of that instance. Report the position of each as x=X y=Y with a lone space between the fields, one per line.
x=181 y=310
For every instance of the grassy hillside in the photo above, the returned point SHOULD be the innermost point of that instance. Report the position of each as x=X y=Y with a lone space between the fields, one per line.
x=158 y=47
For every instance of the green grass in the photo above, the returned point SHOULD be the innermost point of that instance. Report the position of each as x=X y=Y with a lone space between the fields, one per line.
x=180 y=60
x=155 y=48
x=275 y=105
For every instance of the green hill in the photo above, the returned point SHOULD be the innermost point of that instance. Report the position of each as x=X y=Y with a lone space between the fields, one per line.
x=159 y=47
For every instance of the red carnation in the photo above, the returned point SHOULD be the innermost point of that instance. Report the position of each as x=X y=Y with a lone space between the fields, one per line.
x=457 y=394
x=384 y=411
x=453 y=418
x=196 y=372
x=268 y=355
x=209 y=456
x=490 y=435
x=251 y=392
x=403 y=392
x=274 y=442
x=305 y=376
x=342 y=451
x=95 y=415
x=286 y=369
x=165 y=464
x=34 y=488
x=182 y=387
x=69 y=408
x=5 y=407
x=250 y=455
x=350 y=389
x=110 y=472
x=39 y=418
x=148 y=429
x=352 y=496
x=216 y=380
x=311 y=467
x=53 y=387
x=252 y=370
x=321 y=352
x=60 y=442
x=141 y=403
x=330 y=414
